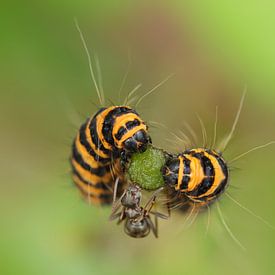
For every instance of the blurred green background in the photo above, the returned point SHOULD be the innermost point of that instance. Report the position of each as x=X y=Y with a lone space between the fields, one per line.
x=214 y=48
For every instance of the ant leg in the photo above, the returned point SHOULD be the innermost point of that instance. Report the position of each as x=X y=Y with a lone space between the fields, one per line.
x=168 y=209
x=152 y=199
x=151 y=203
x=156 y=225
x=116 y=206
x=122 y=216
x=160 y=215
x=115 y=209
x=115 y=216
x=117 y=203
x=153 y=226
x=115 y=189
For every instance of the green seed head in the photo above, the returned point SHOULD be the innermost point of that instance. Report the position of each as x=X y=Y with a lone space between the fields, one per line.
x=145 y=168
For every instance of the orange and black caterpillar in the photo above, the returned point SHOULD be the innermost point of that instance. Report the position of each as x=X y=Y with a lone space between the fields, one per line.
x=101 y=141
x=107 y=139
x=200 y=174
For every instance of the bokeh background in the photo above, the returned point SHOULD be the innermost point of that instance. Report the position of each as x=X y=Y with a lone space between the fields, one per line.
x=214 y=48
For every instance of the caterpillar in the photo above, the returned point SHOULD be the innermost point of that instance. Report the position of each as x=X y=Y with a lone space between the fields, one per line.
x=197 y=177
x=201 y=174
x=98 y=146
x=105 y=141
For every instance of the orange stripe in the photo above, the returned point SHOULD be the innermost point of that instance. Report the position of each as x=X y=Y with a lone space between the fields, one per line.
x=89 y=189
x=180 y=174
x=122 y=120
x=88 y=176
x=197 y=173
x=91 y=200
x=99 y=124
x=130 y=134
x=219 y=175
x=89 y=159
x=90 y=141
x=117 y=167
x=198 y=150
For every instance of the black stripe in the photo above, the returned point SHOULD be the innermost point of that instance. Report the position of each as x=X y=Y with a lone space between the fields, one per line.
x=84 y=142
x=131 y=124
x=209 y=173
x=120 y=133
x=206 y=184
x=184 y=182
x=123 y=130
x=186 y=172
x=221 y=187
x=104 y=198
x=206 y=164
x=95 y=135
x=224 y=169
x=100 y=171
x=97 y=185
x=106 y=201
x=217 y=192
x=110 y=120
x=208 y=167
x=202 y=188
x=220 y=161
x=187 y=169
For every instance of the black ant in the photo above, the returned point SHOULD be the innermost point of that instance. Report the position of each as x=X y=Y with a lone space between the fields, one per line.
x=138 y=222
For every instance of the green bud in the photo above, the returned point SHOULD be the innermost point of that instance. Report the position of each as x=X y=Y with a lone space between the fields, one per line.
x=144 y=168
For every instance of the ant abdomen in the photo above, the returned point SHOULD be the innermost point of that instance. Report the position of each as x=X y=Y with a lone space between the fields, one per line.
x=137 y=229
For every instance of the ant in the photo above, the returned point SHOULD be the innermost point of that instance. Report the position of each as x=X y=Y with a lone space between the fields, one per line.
x=138 y=222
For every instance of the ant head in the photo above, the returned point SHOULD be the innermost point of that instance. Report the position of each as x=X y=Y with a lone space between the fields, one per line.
x=137 y=229
x=132 y=197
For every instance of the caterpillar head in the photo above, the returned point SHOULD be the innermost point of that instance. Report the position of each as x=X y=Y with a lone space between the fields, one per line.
x=138 y=142
x=170 y=172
